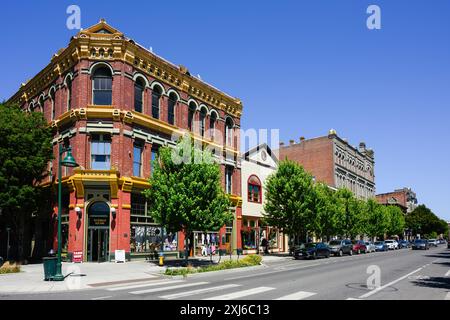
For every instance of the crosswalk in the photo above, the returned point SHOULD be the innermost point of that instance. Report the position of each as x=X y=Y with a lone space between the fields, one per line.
x=203 y=290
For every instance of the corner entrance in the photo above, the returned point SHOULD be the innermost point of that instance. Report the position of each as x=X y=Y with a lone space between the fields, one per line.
x=98 y=232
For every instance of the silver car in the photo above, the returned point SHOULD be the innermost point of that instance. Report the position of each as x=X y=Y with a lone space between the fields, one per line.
x=370 y=246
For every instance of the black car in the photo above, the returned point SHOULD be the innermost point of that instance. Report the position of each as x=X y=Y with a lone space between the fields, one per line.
x=420 y=244
x=313 y=250
x=341 y=247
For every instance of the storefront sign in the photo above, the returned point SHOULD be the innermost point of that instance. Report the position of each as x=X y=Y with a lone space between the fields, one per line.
x=98 y=221
x=77 y=256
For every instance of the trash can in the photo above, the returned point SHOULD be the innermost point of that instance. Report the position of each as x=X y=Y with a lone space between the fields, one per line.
x=49 y=267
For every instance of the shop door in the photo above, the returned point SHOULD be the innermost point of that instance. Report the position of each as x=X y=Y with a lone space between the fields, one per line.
x=98 y=245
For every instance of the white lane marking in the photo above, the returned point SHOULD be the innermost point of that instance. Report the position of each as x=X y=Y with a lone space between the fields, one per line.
x=169 y=288
x=297 y=296
x=199 y=291
x=272 y=272
x=447 y=297
x=240 y=294
x=353 y=299
x=101 y=298
x=447 y=274
x=144 y=285
x=368 y=294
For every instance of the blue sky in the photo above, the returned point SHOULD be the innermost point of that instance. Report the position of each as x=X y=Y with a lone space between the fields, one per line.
x=301 y=66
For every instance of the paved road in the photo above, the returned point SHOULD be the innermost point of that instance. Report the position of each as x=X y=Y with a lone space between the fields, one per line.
x=404 y=274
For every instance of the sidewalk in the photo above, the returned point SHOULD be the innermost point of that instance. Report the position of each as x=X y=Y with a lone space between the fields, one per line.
x=91 y=275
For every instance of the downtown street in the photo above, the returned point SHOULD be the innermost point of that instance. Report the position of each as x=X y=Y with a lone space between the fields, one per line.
x=405 y=275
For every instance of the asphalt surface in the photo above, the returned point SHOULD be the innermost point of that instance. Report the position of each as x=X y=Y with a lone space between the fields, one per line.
x=392 y=275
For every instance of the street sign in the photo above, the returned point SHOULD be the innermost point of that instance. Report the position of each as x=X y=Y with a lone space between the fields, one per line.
x=77 y=256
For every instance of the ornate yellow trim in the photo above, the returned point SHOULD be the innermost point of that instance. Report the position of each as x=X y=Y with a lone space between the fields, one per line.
x=235 y=200
x=126 y=206
x=113 y=46
x=107 y=112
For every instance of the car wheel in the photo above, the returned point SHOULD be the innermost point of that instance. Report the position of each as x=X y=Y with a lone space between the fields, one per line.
x=341 y=253
x=327 y=255
x=314 y=256
x=351 y=252
x=359 y=251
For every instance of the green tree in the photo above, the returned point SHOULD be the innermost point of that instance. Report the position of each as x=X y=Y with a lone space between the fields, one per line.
x=289 y=199
x=323 y=223
x=349 y=215
x=185 y=191
x=423 y=221
x=25 y=150
x=377 y=220
x=396 y=220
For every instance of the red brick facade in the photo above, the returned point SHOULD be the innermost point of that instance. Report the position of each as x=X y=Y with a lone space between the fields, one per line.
x=75 y=125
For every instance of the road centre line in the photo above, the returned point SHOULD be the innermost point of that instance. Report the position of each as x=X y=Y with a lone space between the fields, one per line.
x=388 y=284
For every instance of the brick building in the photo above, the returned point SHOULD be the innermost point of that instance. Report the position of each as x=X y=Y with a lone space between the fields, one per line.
x=332 y=160
x=404 y=198
x=115 y=103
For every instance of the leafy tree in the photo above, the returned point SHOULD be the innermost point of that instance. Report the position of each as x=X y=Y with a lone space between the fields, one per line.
x=376 y=221
x=289 y=199
x=396 y=220
x=25 y=150
x=323 y=223
x=185 y=191
x=349 y=217
x=423 y=221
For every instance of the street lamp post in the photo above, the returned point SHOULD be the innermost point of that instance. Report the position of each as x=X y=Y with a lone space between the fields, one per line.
x=68 y=161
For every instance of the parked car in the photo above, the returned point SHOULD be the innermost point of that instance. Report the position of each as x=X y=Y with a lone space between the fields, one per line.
x=420 y=244
x=392 y=244
x=433 y=242
x=404 y=244
x=359 y=246
x=341 y=247
x=313 y=251
x=381 y=246
x=441 y=241
x=370 y=246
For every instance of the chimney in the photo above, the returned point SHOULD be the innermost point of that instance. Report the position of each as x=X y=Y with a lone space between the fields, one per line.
x=281 y=144
x=302 y=139
x=291 y=142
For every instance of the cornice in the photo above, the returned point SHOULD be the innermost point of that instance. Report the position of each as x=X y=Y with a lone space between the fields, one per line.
x=115 y=47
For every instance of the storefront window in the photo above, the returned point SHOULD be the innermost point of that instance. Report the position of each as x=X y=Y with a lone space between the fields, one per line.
x=147 y=238
x=273 y=238
x=248 y=239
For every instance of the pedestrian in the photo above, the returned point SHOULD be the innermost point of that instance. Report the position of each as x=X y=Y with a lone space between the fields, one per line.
x=265 y=245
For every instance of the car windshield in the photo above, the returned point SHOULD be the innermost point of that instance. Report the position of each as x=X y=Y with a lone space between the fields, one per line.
x=379 y=243
x=367 y=243
x=389 y=241
x=419 y=241
x=335 y=243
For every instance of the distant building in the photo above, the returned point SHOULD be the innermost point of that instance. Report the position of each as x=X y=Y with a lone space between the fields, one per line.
x=404 y=198
x=257 y=164
x=332 y=160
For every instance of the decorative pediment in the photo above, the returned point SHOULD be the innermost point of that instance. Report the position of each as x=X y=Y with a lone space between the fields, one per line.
x=101 y=28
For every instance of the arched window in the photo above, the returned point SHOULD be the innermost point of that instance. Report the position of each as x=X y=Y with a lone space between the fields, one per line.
x=229 y=132
x=203 y=113
x=171 y=108
x=139 y=86
x=156 y=97
x=69 y=93
x=51 y=94
x=191 y=112
x=99 y=208
x=41 y=104
x=254 y=189
x=212 y=124
x=102 y=86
